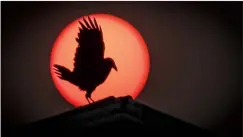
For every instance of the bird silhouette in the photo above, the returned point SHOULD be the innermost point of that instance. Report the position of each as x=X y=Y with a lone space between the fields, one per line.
x=91 y=68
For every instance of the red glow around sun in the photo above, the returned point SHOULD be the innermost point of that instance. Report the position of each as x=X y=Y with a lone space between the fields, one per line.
x=123 y=43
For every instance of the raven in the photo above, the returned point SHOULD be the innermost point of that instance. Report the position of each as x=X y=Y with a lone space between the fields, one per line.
x=91 y=68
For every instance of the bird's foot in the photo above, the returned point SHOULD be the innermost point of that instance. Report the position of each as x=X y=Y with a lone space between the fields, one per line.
x=92 y=100
x=88 y=96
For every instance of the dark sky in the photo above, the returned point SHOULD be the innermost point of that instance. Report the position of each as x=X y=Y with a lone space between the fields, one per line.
x=195 y=53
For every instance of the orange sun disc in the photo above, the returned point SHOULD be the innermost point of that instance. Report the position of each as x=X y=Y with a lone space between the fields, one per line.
x=123 y=43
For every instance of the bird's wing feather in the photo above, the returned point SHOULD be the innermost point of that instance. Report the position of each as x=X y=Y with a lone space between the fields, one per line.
x=90 y=44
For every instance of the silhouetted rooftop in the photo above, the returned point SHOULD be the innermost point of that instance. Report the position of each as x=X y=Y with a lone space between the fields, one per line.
x=112 y=113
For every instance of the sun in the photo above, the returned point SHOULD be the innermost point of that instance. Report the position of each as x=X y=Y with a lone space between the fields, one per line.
x=123 y=43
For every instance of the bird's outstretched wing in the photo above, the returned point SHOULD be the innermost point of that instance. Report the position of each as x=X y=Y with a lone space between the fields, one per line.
x=91 y=47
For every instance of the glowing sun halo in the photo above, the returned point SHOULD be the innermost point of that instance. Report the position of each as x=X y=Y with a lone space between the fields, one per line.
x=123 y=43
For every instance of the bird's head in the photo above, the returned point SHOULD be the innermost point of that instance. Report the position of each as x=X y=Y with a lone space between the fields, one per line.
x=111 y=63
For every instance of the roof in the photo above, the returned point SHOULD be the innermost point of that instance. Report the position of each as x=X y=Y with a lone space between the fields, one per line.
x=112 y=113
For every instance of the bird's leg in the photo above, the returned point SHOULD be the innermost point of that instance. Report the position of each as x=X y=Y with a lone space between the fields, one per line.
x=87 y=97
x=91 y=99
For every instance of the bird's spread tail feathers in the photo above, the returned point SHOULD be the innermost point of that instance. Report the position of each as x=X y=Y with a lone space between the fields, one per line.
x=62 y=72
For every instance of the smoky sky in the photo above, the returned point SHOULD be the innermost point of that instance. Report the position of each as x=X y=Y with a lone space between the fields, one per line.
x=194 y=47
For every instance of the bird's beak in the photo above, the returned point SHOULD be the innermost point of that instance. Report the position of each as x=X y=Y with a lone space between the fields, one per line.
x=114 y=66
